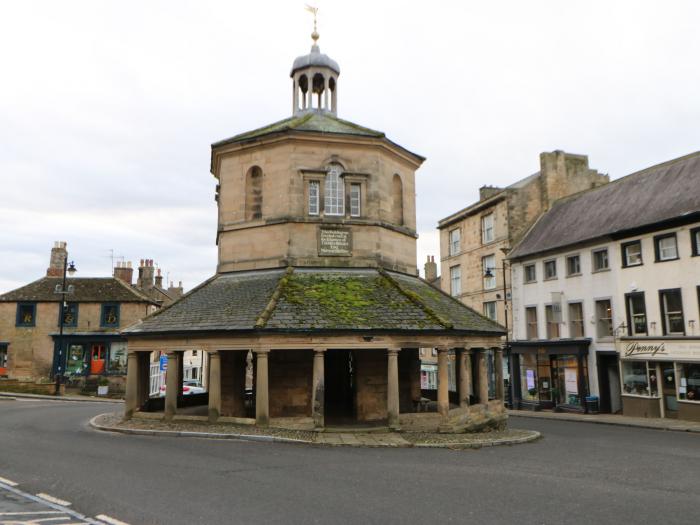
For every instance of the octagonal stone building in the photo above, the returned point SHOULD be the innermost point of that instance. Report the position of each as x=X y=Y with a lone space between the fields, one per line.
x=317 y=278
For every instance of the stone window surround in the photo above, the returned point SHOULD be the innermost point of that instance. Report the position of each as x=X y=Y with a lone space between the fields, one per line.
x=525 y=268
x=567 y=258
x=549 y=308
x=593 y=254
x=596 y=300
x=103 y=307
x=319 y=175
x=665 y=314
x=77 y=312
x=570 y=321
x=484 y=240
x=451 y=242
x=544 y=270
x=630 y=313
x=25 y=304
x=695 y=242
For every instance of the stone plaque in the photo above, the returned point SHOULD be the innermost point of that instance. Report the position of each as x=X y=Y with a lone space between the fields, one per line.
x=334 y=242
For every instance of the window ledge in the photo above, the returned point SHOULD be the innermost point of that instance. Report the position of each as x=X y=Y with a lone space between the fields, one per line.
x=550 y=278
x=632 y=265
x=666 y=260
x=574 y=275
x=601 y=270
x=529 y=282
x=639 y=396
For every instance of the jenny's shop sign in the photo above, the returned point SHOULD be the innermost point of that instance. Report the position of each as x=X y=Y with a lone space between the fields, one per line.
x=657 y=350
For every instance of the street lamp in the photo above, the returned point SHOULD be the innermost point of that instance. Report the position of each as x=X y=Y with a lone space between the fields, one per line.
x=62 y=290
x=489 y=274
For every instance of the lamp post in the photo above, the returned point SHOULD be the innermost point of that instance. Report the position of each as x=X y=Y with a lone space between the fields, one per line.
x=506 y=347
x=62 y=290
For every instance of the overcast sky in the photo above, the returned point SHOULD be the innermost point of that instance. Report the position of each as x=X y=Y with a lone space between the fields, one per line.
x=108 y=109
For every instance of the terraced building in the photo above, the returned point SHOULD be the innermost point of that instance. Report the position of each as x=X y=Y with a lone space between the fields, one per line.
x=317 y=278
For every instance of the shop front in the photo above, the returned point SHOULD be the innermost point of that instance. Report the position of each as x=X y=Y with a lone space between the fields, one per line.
x=660 y=377
x=550 y=375
x=90 y=356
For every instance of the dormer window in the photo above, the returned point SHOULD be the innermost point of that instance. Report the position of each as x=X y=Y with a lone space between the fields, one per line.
x=334 y=202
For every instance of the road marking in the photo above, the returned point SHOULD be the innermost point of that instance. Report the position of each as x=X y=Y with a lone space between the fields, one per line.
x=42 y=512
x=51 y=499
x=8 y=482
x=111 y=521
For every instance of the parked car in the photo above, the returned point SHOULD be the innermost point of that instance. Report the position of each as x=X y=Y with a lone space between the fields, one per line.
x=187 y=389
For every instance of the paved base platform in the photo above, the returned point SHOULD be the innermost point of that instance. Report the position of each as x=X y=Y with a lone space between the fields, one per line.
x=112 y=422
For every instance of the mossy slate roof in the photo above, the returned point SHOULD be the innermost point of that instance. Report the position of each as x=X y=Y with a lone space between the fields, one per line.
x=311 y=299
x=85 y=290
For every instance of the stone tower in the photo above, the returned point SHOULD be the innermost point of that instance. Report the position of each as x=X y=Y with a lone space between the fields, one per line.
x=315 y=190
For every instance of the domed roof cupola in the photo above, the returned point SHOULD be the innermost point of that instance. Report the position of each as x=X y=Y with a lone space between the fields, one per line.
x=315 y=79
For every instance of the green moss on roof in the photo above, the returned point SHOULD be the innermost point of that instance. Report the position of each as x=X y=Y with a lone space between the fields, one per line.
x=311 y=122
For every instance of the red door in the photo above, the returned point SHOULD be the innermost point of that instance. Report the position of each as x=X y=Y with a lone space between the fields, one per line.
x=97 y=359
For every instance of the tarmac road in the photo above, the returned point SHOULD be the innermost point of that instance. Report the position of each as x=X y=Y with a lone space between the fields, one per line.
x=578 y=473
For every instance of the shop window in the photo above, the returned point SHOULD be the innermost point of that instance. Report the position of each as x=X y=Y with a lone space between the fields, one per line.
x=490 y=310
x=530 y=273
x=550 y=269
x=665 y=247
x=487 y=233
x=254 y=193
x=639 y=378
x=573 y=265
x=26 y=314
x=70 y=315
x=576 y=320
x=531 y=320
x=76 y=363
x=117 y=358
x=455 y=240
x=355 y=193
x=672 y=312
x=314 y=197
x=631 y=254
x=109 y=317
x=552 y=316
x=488 y=266
x=636 y=314
x=565 y=375
x=688 y=381
x=695 y=241
x=528 y=377
x=604 y=319
x=455 y=281
x=3 y=359
x=600 y=260
x=334 y=198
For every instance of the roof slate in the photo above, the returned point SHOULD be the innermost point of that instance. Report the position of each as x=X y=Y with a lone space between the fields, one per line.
x=315 y=300
x=86 y=290
x=313 y=121
x=644 y=198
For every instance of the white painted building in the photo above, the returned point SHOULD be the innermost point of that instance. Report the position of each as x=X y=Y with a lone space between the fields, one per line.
x=606 y=298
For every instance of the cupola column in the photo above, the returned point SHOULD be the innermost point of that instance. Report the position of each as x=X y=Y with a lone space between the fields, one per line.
x=295 y=96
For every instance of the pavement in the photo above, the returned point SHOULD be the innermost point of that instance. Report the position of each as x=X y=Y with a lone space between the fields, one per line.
x=579 y=472
x=612 y=419
x=88 y=399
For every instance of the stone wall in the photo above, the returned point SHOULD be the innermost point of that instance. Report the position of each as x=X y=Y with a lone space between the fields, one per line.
x=233 y=373
x=371 y=384
x=290 y=382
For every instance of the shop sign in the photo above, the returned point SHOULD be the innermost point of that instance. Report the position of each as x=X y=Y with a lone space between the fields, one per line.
x=668 y=350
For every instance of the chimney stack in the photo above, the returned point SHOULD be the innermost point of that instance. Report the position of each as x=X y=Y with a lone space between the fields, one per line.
x=124 y=271
x=430 y=269
x=59 y=254
x=176 y=290
x=159 y=279
x=146 y=274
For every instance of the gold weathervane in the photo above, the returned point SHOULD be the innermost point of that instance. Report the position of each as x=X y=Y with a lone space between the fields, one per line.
x=314 y=11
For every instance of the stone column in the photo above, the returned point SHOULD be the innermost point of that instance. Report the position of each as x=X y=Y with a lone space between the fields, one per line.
x=465 y=376
x=295 y=96
x=443 y=393
x=172 y=389
x=483 y=376
x=262 y=394
x=214 y=386
x=392 y=399
x=325 y=93
x=498 y=366
x=132 y=385
x=334 y=98
x=318 y=392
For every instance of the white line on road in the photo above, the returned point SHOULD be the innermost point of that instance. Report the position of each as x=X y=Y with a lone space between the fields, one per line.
x=8 y=482
x=111 y=521
x=51 y=499
x=42 y=512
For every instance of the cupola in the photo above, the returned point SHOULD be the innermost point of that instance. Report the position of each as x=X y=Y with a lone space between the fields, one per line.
x=315 y=81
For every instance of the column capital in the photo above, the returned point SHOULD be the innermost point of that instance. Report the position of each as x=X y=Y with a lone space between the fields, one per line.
x=393 y=351
x=319 y=350
x=214 y=353
x=441 y=349
x=261 y=352
x=172 y=353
